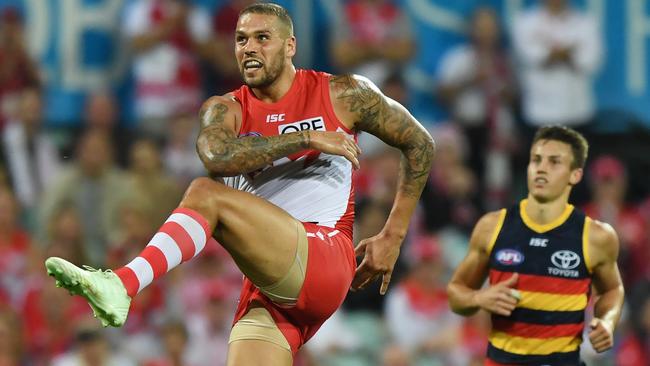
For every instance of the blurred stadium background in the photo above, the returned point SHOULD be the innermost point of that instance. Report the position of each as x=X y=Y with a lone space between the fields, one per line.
x=98 y=119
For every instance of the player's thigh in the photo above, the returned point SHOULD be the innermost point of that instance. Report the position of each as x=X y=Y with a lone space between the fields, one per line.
x=261 y=237
x=252 y=352
x=255 y=339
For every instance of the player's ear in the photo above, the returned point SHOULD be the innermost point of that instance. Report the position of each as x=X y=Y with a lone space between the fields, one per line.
x=291 y=46
x=576 y=176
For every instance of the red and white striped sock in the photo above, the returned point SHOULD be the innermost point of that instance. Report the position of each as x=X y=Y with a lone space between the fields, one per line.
x=180 y=238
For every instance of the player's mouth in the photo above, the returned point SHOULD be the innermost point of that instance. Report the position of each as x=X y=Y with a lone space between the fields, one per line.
x=252 y=65
x=540 y=181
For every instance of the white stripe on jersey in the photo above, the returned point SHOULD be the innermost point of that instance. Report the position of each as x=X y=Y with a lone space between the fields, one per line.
x=318 y=192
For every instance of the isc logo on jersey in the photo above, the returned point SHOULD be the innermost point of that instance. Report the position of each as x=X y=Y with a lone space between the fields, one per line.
x=277 y=117
x=538 y=242
x=509 y=257
x=316 y=124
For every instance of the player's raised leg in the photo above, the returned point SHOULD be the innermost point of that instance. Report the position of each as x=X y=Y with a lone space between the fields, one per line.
x=270 y=248
x=261 y=238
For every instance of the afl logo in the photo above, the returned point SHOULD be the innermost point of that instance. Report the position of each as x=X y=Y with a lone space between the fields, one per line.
x=509 y=257
x=565 y=259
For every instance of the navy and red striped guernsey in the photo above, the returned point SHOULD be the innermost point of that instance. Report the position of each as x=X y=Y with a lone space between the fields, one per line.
x=554 y=282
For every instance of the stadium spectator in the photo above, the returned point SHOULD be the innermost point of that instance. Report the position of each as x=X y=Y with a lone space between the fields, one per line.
x=175 y=339
x=17 y=256
x=91 y=348
x=65 y=235
x=450 y=198
x=224 y=23
x=136 y=227
x=338 y=340
x=49 y=330
x=18 y=71
x=11 y=338
x=169 y=38
x=396 y=356
x=417 y=315
x=474 y=335
x=559 y=49
x=102 y=113
x=476 y=82
x=634 y=349
x=179 y=152
x=371 y=38
x=214 y=273
x=96 y=188
x=608 y=183
x=147 y=181
x=209 y=328
x=31 y=155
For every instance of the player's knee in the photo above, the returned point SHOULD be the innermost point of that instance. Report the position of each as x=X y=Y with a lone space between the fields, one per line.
x=201 y=195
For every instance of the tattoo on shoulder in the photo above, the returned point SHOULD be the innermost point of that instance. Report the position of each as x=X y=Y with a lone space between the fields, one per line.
x=213 y=113
x=389 y=121
x=360 y=97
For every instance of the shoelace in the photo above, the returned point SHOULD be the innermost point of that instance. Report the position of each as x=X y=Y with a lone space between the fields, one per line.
x=92 y=269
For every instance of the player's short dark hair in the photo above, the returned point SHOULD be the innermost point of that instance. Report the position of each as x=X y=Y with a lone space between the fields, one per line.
x=578 y=143
x=271 y=9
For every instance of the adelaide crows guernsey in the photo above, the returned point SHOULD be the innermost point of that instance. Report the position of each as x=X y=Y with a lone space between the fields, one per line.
x=554 y=281
x=309 y=185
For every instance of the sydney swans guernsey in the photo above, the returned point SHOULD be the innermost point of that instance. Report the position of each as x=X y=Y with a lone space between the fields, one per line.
x=310 y=185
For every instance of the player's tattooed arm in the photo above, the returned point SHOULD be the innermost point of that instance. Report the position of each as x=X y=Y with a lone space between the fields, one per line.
x=381 y=116
x=358 y=100
x=223 y=153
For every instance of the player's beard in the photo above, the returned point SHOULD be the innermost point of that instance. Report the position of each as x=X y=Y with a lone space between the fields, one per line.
x=270 y=73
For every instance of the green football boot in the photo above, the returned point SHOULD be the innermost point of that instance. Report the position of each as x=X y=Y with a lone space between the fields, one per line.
x=103 y=290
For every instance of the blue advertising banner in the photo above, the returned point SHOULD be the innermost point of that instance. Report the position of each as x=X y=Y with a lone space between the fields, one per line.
x=621 y=85
x=80 y=47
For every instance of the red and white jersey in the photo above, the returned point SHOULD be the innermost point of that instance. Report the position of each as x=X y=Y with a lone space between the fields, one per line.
x=310 y=185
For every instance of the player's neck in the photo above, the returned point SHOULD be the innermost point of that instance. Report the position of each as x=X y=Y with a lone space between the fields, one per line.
x=545 y=212
x=280 y=87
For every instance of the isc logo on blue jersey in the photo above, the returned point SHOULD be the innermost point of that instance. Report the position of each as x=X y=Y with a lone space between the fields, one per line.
x=538 y=242
x=509 y=257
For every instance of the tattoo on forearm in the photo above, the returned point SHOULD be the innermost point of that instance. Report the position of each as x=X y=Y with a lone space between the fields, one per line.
x=391 y=123
x=223 y=153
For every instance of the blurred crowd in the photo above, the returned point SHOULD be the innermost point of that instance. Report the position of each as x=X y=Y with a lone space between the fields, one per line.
x=95 y=193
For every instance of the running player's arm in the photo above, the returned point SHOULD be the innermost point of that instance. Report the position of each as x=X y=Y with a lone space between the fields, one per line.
x=603 y=253
x=357 y=99
x=464 y=288
x=223 y=153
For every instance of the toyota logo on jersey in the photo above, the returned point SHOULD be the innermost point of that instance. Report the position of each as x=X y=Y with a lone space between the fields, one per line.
x=565 y=259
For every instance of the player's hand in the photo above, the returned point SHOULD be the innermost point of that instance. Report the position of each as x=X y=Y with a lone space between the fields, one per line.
x=335 y=143
x=500 y=298
x=379 y=256
x=601 y=335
